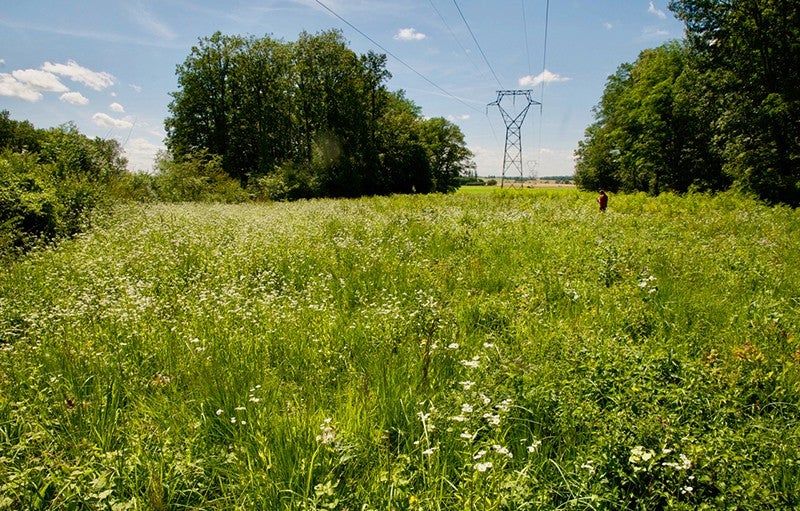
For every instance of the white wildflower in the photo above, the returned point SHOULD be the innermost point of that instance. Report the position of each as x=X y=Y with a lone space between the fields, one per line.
x=474 y=363
x=505 y=405
x=483 y=467
x=499 y=449
x=327 y=433
x=640 y=455
x=492 y=418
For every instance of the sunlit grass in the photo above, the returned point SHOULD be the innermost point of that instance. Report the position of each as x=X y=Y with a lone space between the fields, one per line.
x=506 y=350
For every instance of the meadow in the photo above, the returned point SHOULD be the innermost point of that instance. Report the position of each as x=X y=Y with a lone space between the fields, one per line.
x=492 y=350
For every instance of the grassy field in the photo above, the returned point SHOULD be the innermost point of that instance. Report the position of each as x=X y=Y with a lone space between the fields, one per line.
x=511 y=349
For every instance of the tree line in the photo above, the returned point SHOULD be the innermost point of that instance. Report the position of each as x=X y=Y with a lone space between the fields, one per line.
x=308 y=118
x=719 y=109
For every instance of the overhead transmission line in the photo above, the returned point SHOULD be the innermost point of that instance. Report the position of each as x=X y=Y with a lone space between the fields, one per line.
x=544 y=68
x=475 y=39
x=469 y=57
x=453 y=35
x=525 y=29
x=373 y=41
x=544 y=52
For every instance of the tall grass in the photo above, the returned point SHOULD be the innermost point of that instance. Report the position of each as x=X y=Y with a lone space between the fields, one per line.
x=502 y=350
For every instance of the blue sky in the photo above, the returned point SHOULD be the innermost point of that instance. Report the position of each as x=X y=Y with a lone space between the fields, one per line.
x=109 y=66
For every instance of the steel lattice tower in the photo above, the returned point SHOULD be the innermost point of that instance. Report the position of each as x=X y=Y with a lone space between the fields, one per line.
x=512 y=157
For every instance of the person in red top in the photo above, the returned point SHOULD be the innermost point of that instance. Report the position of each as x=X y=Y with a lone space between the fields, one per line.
x=602 y=200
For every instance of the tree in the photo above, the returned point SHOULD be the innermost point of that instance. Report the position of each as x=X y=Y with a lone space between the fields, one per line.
x=50 y=180
x=18 y=136
x=651 y=132
x=748 y=52
x=404 y=164
x=447 y=151
x=312 y=117
x=200 y=108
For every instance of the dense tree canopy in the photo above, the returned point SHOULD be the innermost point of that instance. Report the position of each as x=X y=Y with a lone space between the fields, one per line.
x=720 y=109
x=308 y=118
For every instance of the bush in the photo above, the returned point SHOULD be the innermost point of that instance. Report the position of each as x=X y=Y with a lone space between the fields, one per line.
x=30 y=206
x=196 y=178
x=289 y=181
x=51 y=181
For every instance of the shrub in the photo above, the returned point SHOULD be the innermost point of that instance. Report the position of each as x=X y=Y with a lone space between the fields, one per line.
x=30 y=206
x=196 y=178
x=289 y=181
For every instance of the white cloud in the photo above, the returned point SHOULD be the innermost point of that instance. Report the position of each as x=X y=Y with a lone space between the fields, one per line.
x=543 y=77
x=653 y=32
x=462 y=117
x=116 y=107
x=76 y=98
x=94 y=79
x=2 y=62
x=141 y=154
x=409 y=34
x=144 y=18
x=11 y=87
x=136 y=88
x=40 y=80
x=107 y=121
x=652 y=9
x=608 y=25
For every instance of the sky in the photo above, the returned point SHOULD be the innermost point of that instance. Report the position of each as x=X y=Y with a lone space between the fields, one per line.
x=109 y=66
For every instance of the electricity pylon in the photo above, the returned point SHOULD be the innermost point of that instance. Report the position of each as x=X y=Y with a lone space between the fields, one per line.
x=512 y=157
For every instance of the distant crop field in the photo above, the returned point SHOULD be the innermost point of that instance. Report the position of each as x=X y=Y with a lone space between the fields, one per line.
x=507 y=350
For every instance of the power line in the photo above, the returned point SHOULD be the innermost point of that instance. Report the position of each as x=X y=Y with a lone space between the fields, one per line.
x=544 y=68
x=373 y=41
x=544 y=53
x=525 y=28
x=477 y=44
x=453 y=35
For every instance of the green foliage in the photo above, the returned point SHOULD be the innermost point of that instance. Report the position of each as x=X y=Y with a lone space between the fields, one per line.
x=51 y=181
x=717 y=111
x=29 y=205
x=195 y=178
x=501 y=349
x=275 y=111
x=288 y=182
x=650 y=135
x=749 y=53
x=447 y=151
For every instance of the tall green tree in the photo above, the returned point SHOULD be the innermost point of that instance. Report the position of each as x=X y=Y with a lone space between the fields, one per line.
x=448 y=153
x=309 y=117
x=647 y=129
x=748 y=52
x=202 y=105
